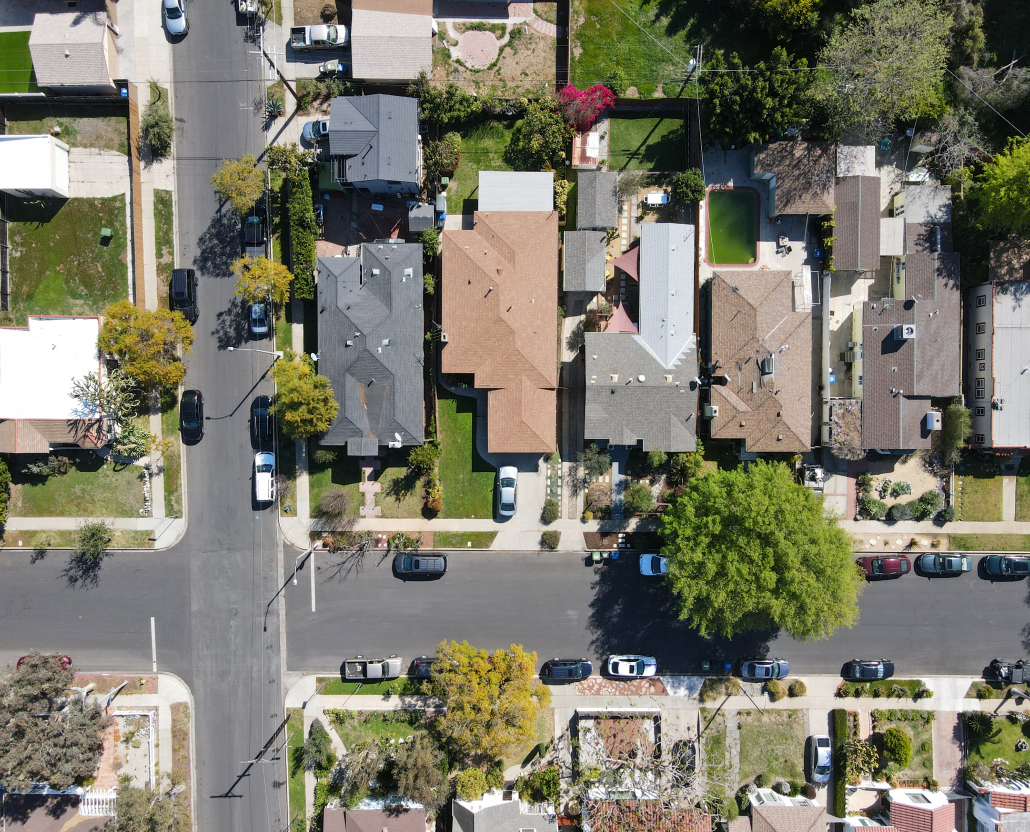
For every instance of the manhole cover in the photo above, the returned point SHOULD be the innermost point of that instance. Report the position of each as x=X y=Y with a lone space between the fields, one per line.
x=233 y=611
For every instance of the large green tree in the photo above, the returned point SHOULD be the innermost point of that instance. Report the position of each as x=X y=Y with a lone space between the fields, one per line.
x=1004 y=195
x=539 y=138
x=752 y=550
x=419 y=770
x=147 y=343
x=304 y=402
x=756 y=104
x=144 y=810
x=884 y=64
x=239 y=182
x=492 y=699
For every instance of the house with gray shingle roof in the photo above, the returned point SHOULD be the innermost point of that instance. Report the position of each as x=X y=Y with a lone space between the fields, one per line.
x=799 y=176
x=597 y=199
x=640 y=388
x=857 y=224
x=375 y=145
x=585 y=263
x=502 y=811
x=74 y=52
x=391 y=40
x=370 y=325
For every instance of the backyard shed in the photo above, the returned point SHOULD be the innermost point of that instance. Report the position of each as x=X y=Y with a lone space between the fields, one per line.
x=420 y=217
x=507 y=190
x=597 y=199
x=34 y=166
x=584 y=261
x=74 y=52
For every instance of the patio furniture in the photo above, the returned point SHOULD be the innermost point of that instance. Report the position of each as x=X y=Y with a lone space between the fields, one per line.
x=782 y=241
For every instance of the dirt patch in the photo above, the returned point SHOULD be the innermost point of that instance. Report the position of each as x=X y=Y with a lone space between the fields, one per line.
x=525 y=62
x=104 y=683
x=309 y=12
x=910 y=468
x=627 y=738
x=181 y=772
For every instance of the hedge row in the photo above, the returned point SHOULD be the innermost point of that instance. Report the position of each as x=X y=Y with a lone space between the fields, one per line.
x=303 y=229
x=840 y=738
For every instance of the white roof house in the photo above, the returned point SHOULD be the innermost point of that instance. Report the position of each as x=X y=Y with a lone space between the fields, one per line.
x=34 y=166
x=508 y=190
x=38 y=364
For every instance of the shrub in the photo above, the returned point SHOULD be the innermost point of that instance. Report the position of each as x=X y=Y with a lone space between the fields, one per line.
x=775 y=689
x=923 y=693
x=899 y=489
x=470 y=784
x=301 y=213
x=864 y=481
x=595 y=461
x=797 y=688
x=985 y=691
x=580 y=108
x=588 y=515
x=879 y=691
x=91 y=543
x=928 y=504
x=979 y=724
x=656 y=458
x=897 y=746
x=638 y=498
x=685 y=466
x=334 y=504
x=551 y=539
x=540 y=786
x=898 y=691
x=495 y=775
x=318 y=750
x=899 y=511
x=615 y=80
x=930 y=784
x=925 y=747
x=947 y=514
x=957 y=426
x=5 y=481
x=156 y=126
x=552 y=510
x=430 y=242
x=422 y=458
x=688 y=186
x=839 y=736
x=323 y=456
x=761 y=780
x=871 y=507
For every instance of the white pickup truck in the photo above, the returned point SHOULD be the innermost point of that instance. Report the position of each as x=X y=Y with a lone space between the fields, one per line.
x=318 y=37
x=372 y=670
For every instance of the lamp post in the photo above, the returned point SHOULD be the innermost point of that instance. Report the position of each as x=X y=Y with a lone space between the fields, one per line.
x=276 y=353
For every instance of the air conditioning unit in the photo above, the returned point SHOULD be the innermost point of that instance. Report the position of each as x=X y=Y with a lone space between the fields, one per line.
x=905 y=332
x=711 y=411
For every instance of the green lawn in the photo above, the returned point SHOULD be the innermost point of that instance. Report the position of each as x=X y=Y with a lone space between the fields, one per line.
x=732 y=226
x=978 y=490
x=461 y=540
x=482 y=148
x=92 y=488
x=67 y=539
x=990 y=542
x=283 y=329
x=295 y=739
x=1001 y=743
x=101 y=127
x=401 y=494
x=16 y=73
x=921 y=764
x=1023 y=491
x=467 y=479
x=60 y=267
x=335 y=686
x=172 y=461
x=164 y=246
x=353 y=727
x=642 y=143
x=772 y=744
x=543 y=733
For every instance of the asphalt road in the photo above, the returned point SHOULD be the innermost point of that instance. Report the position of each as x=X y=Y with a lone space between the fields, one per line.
x=558 y=606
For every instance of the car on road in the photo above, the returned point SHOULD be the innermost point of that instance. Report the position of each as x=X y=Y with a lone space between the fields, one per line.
x=183 y=294
x=632 y=667
x=864 y=670
x=566 y=670
x=761 y=670
x=422 y=667
x=654 y=565
x=372 y=670
x=315 y=130
x=259 y=319
x=944 y=566
x=885 y=566
x=254 y=237
x=420 y=565
x=261 y=428
x=1007 y=566
x=507 y=490
x=65 y=661
x=191 y=416
x=175 y=17
x=264 y=477
x=1011 y=673
x=820 y=758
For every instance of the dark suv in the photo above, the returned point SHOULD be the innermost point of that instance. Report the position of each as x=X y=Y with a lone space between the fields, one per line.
x=566 y=670
x=420 y=565
x=261 y=423
x=183 y=293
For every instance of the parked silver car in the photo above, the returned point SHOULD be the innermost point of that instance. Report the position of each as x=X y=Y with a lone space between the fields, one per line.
x=175 y=17
x=820 y=758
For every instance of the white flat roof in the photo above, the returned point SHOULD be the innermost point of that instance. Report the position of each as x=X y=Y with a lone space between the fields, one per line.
x=1010 y=426
x=27 y=162
x=855 y=160
x=38 y=365
x=892 y=236
x=510 y=190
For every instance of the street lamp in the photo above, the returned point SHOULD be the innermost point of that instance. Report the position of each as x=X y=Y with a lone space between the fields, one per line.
x=276 y=353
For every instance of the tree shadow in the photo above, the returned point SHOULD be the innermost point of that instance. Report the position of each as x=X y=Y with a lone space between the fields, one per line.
x=231 y=325
x=82 y=573
x=219 y=245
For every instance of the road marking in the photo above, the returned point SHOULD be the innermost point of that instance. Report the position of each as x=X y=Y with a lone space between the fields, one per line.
x=311 y=563
x=153 y=643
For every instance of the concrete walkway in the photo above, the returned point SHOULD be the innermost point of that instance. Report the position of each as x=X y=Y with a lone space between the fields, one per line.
x=911 y=527
x=167 y=530
x=1008 y=499
x=97 y=173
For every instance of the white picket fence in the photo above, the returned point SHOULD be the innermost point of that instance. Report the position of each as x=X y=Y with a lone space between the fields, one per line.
x=97 y=803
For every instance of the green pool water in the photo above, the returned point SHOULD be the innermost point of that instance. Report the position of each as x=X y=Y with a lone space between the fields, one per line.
x=732 y=227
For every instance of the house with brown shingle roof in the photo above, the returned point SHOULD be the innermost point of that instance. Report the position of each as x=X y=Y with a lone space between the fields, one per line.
x=391 y=818
x=642 y=816
x=499 y=301
x=762 y=346
x=800 y=176
x=857 y=224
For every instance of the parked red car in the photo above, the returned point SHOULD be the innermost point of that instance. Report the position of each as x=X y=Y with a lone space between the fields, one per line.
x=885 y=566
x=65 y=661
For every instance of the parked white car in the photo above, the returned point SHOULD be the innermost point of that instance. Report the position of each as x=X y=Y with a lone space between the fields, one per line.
x=657 y=198
x=632 y=667
x=507 y=490
x=264 y=477
x=175 y=17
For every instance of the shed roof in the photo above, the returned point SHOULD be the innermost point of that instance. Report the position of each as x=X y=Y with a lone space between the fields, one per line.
x=378 y=135
x=69 y=49
x=804 y=175
x=33 y=162
x=857 y=224
x=927 y=203
x=512 y=190
x=856 y=160
x=597 y=199
x=1010 y=425
x=390 y=46
x=1010 y=260
x=420 y=217
x=584 y=261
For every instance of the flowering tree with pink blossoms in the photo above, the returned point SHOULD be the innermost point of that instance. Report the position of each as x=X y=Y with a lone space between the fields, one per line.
x=580 y=108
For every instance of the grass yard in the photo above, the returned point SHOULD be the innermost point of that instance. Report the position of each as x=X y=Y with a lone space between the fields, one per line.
x=912 y=722
x=60 y=267
x=67 y=539
x=295 y=739
x=91 y=488
x=713 y=734
x=335 y=686
x=978 y=490
x=772 y=744
x=283 y=329
x=910 y=687
x=1023 y=491
x=643 y=143
x=353 y=727
x=164 y=245
x=482 y=148
x=990 y=542
x=732 y=226
x=1001 y=743
x=543 y=734
x=467 y=479
x=461 y=540
x=172 y=461
x=16 y=72
x=401 y=496
x=93 y=126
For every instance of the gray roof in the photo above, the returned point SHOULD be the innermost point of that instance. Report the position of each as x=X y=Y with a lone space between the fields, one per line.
x=509 y=190
x=667 y=290
x=584 y=261
x=421 y=217
x=379 y=136
x=387 y=46
x=597 y=199
x=1010 y=426
x=927 y=203
x=79 y=34
x=506 y=816
x=857 y=224
x=374 y=302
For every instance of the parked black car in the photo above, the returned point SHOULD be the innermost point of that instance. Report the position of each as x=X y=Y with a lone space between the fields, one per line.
x=868 y=670
x=420 y=565
x=1011 y=673
x=566 y=670
x=423 y=666
x=191 y=416
x=261 y=428
x=183 y=294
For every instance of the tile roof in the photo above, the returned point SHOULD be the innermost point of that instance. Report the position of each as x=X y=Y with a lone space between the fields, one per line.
x=373 y=302
x=644 y=816
x=908 y=818
x=387 y=46
x=857 y=224
x=597 y=199
x=804 y=174
x=378 y=135
x=584 y=261
x=1010 y=260
x=69 y=49
x=516 y=190
x=753 y=320
x=914 y=368
x=1011 y=800
x=788 y=819
x=667 y=257
x=499 y=301
x=390 y=819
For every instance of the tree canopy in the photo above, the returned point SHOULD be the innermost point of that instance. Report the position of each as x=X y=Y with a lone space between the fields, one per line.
x=240 y=182
x=885 y=64
x=492 y=699
x=1004 y=195
x=147 y=342
x=752 y=550
x=304 y=402
x=419 y=770
x=61 y=747
x=539 y=138
x=144 y=810
x=258 y=278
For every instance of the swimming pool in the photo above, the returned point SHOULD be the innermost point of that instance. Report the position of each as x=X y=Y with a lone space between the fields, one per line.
x=732 y=226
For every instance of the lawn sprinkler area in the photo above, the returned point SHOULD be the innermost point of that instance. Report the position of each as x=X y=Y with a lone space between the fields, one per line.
x=643 y=143
x=732 y=227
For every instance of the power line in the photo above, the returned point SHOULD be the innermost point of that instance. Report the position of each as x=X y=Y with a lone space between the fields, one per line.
x=999 y=115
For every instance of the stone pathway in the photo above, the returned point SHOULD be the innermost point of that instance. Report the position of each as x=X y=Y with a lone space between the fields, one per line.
x=947 y=748
x=369 y=488
x=600 y=686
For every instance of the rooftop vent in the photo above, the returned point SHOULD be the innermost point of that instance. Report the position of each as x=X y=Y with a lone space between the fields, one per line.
x=933 y=420
x=767 y=365
x=711 y=411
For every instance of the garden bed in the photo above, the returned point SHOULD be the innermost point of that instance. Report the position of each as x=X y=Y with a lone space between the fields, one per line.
x=353 y=727
x=919 y=726
x=909 y=689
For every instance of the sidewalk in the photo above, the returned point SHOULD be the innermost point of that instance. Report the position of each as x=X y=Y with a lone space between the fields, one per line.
x=168 y=530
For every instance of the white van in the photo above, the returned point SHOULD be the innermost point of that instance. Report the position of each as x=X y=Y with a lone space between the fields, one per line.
x=264 y=477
